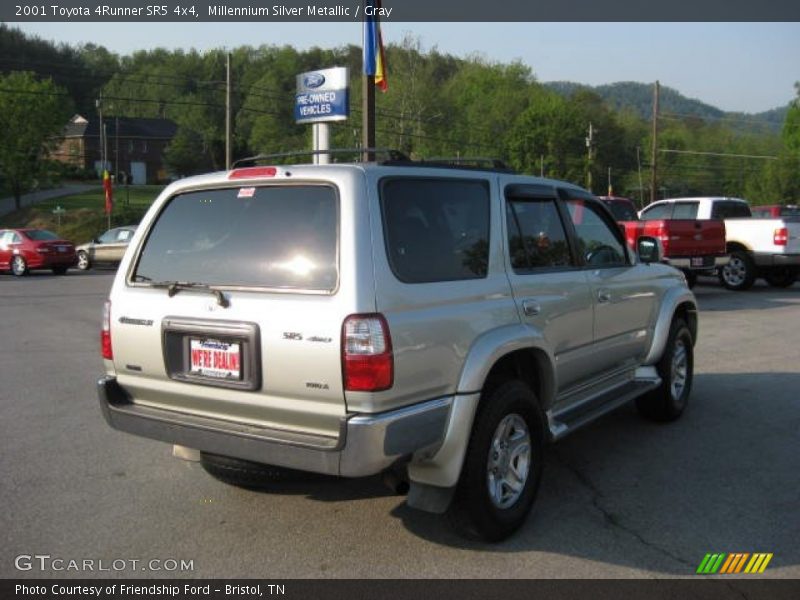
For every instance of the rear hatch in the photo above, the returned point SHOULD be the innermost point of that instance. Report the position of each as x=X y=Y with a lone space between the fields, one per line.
x=232 y=308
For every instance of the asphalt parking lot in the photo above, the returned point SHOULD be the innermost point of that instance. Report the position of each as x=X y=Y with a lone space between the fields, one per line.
x=621 y=498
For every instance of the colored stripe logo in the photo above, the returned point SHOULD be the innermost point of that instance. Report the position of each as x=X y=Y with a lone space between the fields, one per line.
x=731 y=564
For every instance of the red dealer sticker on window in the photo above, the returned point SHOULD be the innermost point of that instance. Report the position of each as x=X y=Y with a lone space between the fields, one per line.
x=214 y=358
x=247 y=192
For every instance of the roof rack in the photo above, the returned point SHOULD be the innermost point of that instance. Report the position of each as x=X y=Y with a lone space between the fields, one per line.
x=393 y=158
x=473 y=163
x=392 y=154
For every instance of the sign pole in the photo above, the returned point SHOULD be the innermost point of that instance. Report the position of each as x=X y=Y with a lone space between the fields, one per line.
x=322 y=143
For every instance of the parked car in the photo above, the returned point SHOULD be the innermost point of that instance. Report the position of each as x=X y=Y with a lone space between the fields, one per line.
x=437 y=321
x=772 y=211
x=766 y=247
x=695 y=247
x=22 y=250
x=107 y=249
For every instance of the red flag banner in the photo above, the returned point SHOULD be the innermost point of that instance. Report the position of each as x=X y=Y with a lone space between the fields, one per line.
x=109 y=192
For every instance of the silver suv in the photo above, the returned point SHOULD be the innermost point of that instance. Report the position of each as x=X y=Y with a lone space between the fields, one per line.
x=438 y=321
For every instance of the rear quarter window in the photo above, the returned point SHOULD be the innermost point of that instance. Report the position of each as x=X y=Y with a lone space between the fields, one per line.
x=436 y=229
x=725 y=209
x=271 y=236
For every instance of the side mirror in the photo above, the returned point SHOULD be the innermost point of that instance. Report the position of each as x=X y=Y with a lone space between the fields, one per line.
x=649 y=249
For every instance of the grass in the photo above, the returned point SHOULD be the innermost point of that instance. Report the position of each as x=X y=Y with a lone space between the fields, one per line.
x=85 y=216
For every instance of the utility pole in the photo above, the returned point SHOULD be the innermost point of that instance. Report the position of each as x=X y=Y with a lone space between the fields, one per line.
x=654 y=167
x=641 y=183
x=590 y=149
x=116 y=152
x=541 y=165
x=610 y=189
x=228 y=140
x=99 y=104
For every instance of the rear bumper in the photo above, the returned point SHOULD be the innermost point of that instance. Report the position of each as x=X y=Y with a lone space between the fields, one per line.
x=708 y=262
x=45 y=261
x=367 y=444
x=776 y=260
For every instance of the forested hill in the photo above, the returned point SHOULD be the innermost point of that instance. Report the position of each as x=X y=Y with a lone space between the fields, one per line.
x=638 y=97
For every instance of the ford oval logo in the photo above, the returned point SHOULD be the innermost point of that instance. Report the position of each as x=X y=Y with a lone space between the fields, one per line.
x=313 y=80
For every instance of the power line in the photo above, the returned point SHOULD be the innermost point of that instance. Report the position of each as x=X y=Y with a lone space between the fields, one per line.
x=722 y=154
x=721 y=118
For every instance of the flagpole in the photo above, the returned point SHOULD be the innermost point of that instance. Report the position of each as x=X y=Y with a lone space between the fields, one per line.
x=368 y=116
x=367 y=99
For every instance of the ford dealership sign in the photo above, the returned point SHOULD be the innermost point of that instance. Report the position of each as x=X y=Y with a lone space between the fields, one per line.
x=322 y=96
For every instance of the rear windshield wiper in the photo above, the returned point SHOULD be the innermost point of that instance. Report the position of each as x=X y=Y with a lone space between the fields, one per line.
x=173 y=287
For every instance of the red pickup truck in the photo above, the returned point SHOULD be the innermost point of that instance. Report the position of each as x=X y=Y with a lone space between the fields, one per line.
x=696 y=247
x=775 y=211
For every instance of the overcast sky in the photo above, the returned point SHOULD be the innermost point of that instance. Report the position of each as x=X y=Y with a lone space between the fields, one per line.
x=749 y=67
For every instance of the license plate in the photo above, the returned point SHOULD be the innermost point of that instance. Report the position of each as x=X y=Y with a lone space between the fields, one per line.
x=62 y=248
x=698 y=261
x=215 y=359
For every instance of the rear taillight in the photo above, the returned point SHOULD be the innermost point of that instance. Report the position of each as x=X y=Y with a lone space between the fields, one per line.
x=663 y=236
x=367 y=361
x=780 y=236
x=105 y=334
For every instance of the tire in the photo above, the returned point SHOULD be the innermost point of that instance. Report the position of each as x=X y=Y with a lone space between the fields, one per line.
x=247 y=474
x=485 y=506
x=781 y=277
x=59 y=270
x=740 y=273
x=84 y=264
x=676 y=369
x=18 y=266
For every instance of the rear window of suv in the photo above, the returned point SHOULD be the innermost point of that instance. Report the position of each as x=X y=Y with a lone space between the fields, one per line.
x=282 y=237
x=436 y=229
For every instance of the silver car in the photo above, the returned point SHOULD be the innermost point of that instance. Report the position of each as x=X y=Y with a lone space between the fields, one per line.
x=108 y=249
x=439 y=323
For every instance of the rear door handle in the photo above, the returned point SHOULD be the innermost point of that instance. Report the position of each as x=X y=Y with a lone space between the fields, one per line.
x=531 y=308
x=603 y=296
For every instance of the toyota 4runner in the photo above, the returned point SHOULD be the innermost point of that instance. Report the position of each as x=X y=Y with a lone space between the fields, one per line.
x=349 y=319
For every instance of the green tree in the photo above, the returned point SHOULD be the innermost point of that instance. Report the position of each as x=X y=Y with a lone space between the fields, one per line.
x=550 y=133
x=33 y=113
x=791 y=127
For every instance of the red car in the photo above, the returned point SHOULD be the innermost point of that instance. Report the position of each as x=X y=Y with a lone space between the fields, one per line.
x=24 y=249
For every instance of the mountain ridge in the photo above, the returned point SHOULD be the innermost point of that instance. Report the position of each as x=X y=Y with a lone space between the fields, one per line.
x=638 y=97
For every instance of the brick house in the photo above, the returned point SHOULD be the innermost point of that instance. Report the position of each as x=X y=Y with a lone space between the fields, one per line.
x=135 y=146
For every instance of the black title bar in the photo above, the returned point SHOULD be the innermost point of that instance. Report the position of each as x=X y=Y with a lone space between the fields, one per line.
x=399 y=11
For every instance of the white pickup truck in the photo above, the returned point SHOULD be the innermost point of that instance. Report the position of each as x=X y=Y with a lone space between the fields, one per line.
x=768 y=248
